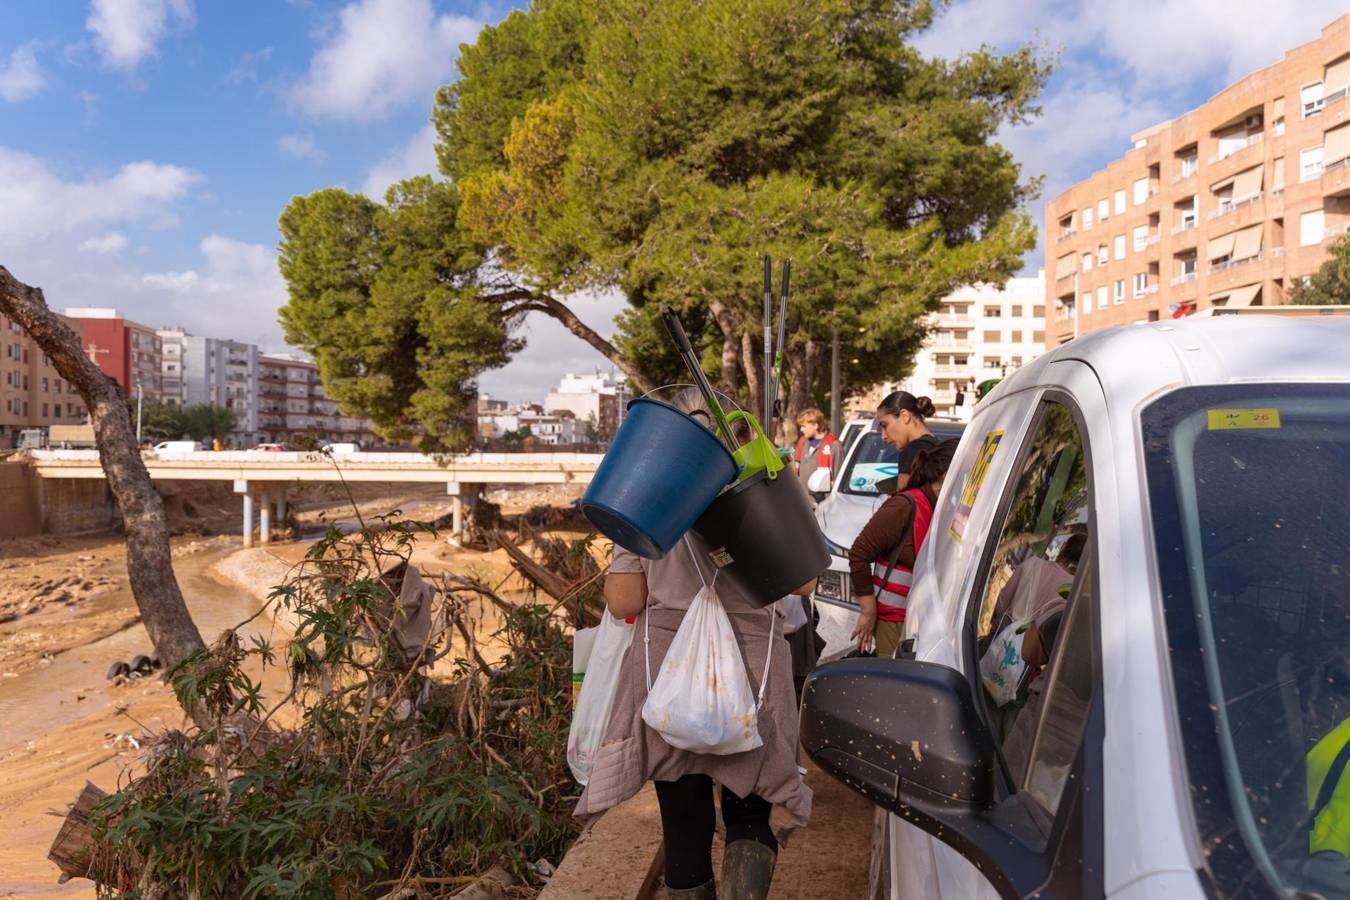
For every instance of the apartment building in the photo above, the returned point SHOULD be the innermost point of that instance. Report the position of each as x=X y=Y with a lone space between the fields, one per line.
x=291 y=402
x=1222 y=207
x=979 y=333
x=32 y=393
x=600 y=398
x=128 y=352
x=218 y=372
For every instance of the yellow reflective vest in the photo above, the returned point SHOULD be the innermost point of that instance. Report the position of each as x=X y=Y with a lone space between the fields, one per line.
x=1330 y=802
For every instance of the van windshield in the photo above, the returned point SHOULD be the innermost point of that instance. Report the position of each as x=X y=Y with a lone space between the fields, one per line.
x=873 y=461
x=1248 y=487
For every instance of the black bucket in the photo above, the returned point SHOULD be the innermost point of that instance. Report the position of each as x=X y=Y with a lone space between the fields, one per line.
x=763 y=536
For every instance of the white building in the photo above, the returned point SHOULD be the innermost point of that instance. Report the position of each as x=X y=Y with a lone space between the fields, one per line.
x=197 y=370
x=600 y=398
x=979 y=333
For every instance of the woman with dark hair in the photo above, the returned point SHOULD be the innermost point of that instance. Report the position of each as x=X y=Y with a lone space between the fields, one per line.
x=901 y=419
x=881 y=561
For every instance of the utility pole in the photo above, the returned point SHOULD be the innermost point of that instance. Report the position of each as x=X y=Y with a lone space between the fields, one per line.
x=836 y=414
x=140 y=396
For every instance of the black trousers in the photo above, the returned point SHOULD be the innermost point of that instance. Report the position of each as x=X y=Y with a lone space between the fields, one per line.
x=688 y=821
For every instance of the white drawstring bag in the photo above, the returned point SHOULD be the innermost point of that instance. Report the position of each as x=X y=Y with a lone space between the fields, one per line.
x=590 y=718
x=701 y=700
x=1002 y=668
x=793 y=609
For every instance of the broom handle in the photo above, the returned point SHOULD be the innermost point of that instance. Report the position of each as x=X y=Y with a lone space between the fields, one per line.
x=782 y=327
x=768 y=338
x=676 y=329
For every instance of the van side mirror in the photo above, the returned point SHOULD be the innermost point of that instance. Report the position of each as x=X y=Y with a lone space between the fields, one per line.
x=818 y=482
x=908 y=736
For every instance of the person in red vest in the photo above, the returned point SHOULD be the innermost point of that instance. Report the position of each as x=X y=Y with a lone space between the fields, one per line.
x=815 y=447
x=881 y=560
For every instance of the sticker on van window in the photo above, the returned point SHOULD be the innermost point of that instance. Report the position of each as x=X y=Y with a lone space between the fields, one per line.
x=1224 y=419
x=974 y=481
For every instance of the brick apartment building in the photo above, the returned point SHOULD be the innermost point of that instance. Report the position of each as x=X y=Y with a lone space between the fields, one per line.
x=291 y=403
x=1224 y=206
x=32 y=393
x=128 y=352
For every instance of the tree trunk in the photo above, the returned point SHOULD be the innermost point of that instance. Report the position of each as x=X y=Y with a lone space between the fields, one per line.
x=551 y=306
x=800 y=367
x=754 y=376
x=731 y=347
x=149 y=563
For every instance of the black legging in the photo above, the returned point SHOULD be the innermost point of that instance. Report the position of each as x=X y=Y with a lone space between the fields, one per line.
x=688 y=821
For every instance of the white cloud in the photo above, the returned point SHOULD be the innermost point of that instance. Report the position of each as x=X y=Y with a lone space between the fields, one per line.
x=128 y=31
x=300 y=146
x=383 y=54
x=111 y=243
x=39 y=203
x=21 y=78
x=417 y=157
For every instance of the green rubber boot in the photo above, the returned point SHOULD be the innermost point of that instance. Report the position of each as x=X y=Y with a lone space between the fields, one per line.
x=747 y=869
x=705 y=891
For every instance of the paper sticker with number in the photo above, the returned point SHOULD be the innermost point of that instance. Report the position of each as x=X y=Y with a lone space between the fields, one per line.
x=974 y=481
x=1227 y=419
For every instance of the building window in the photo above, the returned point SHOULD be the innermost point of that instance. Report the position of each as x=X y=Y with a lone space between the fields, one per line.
x=1310 y=163
x=1038 y=312
x=1101 y=297
x=993 y=312
x=1087 y=302
x=1140 y=284
x=992 y=362
x=992 y=337
x=1016 y=311
x=1311 y=228
x=1119 y=291
x=1190 y=165
x=1311 y=97
x=1103 y=210
x=44 y=411
x=1087 y=218
x=1120 y=202
x=1140 y=191
x=1087 y=262
x=1120 y=246
x=1140 y=237
x=1038 y=337
x=1103 y=255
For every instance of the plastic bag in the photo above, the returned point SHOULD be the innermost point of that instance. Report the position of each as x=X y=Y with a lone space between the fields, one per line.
x=1002 y=668
x=701 y=700
x=794 y=613
x=582 y=642
x=596 y=697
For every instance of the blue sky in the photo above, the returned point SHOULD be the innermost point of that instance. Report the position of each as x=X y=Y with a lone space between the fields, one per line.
x=148 y=146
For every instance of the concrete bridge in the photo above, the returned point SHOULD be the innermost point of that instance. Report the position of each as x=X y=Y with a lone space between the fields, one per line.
x=265 y=476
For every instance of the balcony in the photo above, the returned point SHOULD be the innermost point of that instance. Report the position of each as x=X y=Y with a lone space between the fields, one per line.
x=1250 y=141
x=1185 y=278
x=1230 y=206
x=1186 y=225
x=1336 y=178
x=1067 y=233
x=1228 y=264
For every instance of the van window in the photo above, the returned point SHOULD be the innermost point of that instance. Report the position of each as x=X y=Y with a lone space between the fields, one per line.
x=1034 y=646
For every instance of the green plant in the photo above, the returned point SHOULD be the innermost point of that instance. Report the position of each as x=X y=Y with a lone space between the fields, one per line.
x=388 y=777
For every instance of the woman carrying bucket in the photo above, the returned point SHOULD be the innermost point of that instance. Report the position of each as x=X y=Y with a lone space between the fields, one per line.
x=881 y=560
x=763 y=796
x=901 y=419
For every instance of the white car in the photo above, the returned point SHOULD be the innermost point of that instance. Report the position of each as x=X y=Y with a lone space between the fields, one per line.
x=1164 y=507
x=853 y=498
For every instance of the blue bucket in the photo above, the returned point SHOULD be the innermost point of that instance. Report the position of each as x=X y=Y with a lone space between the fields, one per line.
x=662 y=471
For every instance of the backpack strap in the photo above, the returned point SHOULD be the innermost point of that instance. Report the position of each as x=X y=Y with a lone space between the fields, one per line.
x=1328 y=789
x=899 y=545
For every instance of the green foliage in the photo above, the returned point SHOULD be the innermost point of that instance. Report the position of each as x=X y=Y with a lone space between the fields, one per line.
x=1330 y=284
x=159 y=421
x=207 y=422
x=387 y=777
x=387 y=299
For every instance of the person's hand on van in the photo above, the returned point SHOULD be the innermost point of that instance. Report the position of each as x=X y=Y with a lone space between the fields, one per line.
x=864 y=634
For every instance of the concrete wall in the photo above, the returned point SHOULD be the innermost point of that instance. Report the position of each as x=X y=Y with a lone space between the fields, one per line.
x=30 y=505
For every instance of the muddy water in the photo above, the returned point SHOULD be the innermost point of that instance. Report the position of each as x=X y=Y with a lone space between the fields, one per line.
x=46 y=697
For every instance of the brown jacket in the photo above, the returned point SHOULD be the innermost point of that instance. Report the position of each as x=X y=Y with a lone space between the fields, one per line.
x=889 y=525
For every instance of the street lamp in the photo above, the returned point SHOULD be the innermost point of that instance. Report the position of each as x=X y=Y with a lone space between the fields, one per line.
x=140 y=396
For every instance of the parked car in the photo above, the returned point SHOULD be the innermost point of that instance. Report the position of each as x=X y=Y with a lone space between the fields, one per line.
x=853 y=496
x=340 y=449
x=1164 y=505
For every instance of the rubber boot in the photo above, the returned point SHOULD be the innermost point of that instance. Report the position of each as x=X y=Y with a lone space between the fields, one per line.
x=705 y=891
x=747 y=869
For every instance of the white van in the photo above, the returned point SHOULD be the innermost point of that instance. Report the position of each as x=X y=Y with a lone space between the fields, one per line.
x=1124 y=670
x=171 y=448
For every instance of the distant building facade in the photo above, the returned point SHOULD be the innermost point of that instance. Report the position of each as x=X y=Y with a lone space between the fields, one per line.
x=128 y=352
x=599 y=398
x=291 y=402
x=32 y=393
x=201 y=370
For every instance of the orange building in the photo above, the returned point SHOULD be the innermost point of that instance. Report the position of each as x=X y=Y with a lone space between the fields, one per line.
x=32 y=393
x=1223 y=206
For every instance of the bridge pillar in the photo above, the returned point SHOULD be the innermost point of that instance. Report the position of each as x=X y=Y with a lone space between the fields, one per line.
x=265 y=518
x=242 y=487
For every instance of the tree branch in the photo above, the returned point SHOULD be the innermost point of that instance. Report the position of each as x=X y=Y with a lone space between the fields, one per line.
x=149 y=562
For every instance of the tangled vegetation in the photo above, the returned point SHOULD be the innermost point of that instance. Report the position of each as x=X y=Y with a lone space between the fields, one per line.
x=385 y=782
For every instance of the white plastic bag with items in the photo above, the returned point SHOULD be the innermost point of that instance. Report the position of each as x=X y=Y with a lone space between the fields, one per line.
x=701 y=700
x=590 y=718
x=1002 y=668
